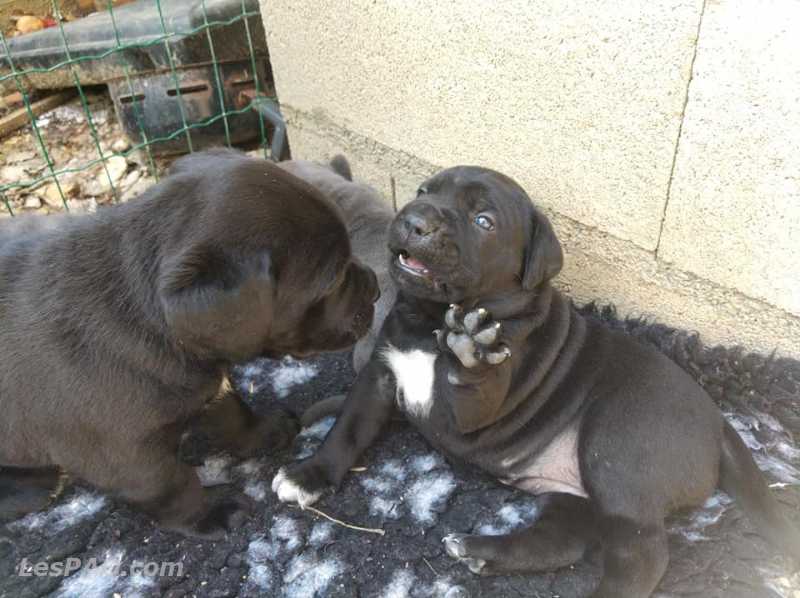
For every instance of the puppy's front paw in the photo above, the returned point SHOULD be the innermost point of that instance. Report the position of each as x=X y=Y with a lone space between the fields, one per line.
x=457 y=547
x=302 y=484
x=473 y=337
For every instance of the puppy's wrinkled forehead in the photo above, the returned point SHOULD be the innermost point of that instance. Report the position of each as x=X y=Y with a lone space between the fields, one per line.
x=476 y=185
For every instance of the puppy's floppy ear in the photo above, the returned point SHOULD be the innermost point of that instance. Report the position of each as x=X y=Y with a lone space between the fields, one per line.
x=341 y=166
x=217 y=305
x=543 y=255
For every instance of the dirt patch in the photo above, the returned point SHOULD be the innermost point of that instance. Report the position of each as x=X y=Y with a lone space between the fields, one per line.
x=86 y=181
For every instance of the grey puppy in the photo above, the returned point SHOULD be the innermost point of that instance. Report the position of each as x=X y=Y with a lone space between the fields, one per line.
x=367 y=217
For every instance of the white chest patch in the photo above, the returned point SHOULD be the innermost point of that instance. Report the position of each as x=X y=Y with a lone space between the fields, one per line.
x=414 y=373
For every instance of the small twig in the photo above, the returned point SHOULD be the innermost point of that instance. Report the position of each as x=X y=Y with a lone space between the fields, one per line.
x=435 y=572
x=370 y=530
x=782 y=485
x=19 y=117
x=394 y=193
x=358 y=469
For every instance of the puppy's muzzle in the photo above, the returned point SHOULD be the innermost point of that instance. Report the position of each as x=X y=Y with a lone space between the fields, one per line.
x=420 y=221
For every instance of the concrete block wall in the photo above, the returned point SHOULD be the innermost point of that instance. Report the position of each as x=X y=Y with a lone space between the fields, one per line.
x=662 y=137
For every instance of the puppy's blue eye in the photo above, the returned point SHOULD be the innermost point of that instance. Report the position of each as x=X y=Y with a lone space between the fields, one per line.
x=484 y=222
x=422 y=191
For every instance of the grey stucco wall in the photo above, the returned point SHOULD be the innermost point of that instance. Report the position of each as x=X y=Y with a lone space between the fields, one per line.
x=663 y=138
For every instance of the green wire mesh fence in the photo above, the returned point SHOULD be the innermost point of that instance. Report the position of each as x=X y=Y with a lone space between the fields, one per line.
x=193 y=64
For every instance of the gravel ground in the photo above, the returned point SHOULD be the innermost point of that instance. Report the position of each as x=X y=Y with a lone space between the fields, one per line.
x=67 y=136
x=416 y=497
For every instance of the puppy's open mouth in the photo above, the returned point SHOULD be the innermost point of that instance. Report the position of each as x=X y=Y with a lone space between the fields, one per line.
x=412 y=265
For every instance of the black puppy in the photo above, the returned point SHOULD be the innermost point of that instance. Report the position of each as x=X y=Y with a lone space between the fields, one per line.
x=117 y=329
x=512 y=379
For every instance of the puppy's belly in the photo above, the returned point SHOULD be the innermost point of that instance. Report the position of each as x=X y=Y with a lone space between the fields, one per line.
x=555 y=469
x=414 y=372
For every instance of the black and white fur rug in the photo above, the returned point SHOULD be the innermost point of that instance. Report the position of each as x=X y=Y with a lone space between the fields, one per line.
x=415 y=496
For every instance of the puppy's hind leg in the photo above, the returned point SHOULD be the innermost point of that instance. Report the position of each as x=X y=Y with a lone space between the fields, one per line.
x=559 y=537
x=185 y=507
x=150 y=476
x=24 y=491
x=634 y=558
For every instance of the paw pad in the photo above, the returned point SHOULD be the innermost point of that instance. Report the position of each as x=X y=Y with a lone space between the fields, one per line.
x=473 y=337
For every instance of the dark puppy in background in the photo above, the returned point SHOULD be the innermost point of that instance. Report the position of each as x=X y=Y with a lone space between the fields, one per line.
x=495 y=367
x=117 y=329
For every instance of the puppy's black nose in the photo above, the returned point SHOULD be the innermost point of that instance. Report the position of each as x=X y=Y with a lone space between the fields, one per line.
x=419 y=224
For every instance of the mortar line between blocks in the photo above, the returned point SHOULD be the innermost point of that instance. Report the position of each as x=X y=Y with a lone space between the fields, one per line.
x=680 y=130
